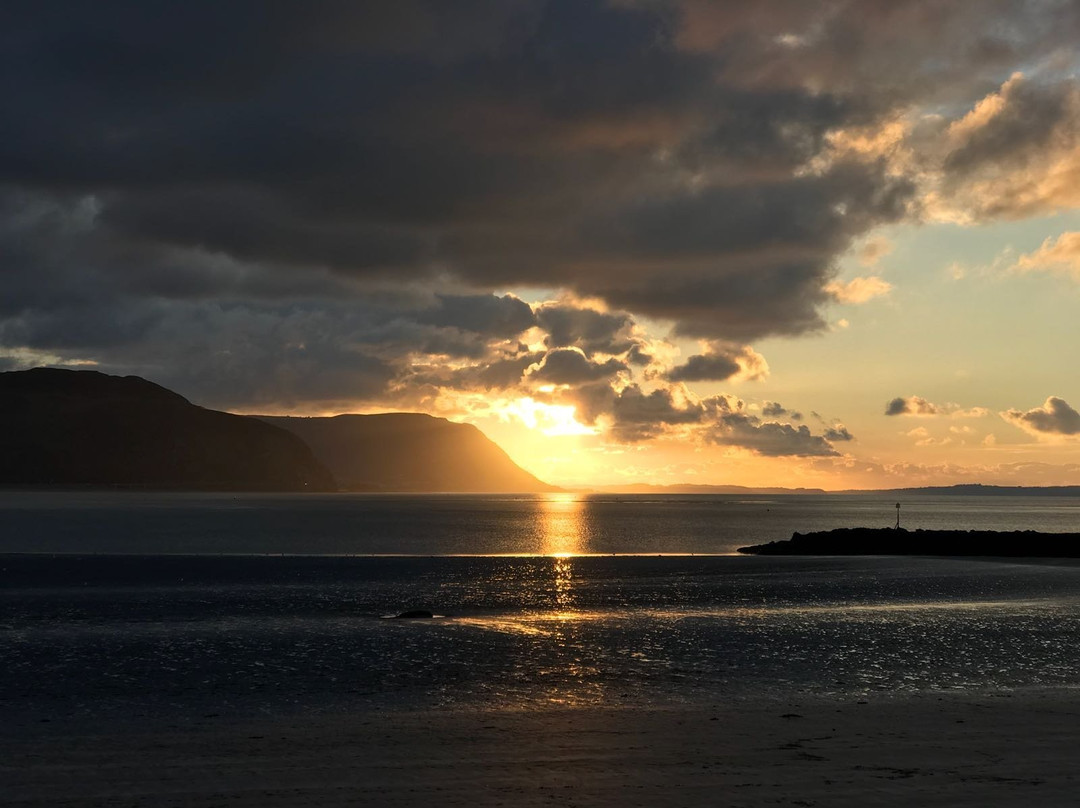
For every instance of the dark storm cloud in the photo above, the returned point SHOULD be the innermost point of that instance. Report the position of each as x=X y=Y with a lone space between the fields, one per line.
x=774 y=409
x=1055 y=417
x=222 y=331
x=911 y=405
x=639 y=355
x=740 y=261
x=705 y=367
x=634 y=406
x=1026 y=121
x=903 y=48
x=492 y=316
x=769 y=133
x=346 y=182
x=588 y=329
x=238 y=356
x=770 y=439
x=636 y=415
x=570 y=366
x=316 y=142
x=816 y=213
x=1012 y=156
x=837 y=434
x=494 y=374
x=917 y=405
x=723 y=360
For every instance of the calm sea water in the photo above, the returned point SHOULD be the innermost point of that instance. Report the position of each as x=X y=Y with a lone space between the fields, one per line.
x=358 y=524
x=170 y=607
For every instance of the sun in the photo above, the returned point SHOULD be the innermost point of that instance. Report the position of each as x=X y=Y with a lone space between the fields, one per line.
x=550 y=419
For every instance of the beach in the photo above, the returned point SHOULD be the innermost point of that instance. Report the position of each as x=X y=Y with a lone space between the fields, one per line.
x=197 y=679
x=927 y=749
x=419 y=403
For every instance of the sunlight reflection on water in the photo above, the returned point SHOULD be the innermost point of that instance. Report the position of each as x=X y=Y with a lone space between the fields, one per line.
x=561 y=525
x=445 y=525
x=117 y=636
x=564 y=585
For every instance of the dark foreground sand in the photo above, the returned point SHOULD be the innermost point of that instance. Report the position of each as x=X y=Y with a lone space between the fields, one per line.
x=924 y=750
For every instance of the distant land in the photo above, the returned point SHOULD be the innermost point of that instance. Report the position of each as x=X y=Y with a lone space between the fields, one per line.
x=898 y=541
x=409 y=452
x=68 y=428
x=84 y=429
x=966 y=489
x=686 y=488
x=977 y=489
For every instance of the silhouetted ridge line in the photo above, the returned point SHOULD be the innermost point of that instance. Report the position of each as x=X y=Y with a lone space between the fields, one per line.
x=409 y=452
x=87 y=429
x=977 y=489
x=898 y=541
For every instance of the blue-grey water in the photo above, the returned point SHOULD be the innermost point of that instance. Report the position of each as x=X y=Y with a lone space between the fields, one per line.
x=360 y=524
x=145 y=606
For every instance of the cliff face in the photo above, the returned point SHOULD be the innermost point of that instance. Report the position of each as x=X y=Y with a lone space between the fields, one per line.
x=84 y=428
x=409 y=452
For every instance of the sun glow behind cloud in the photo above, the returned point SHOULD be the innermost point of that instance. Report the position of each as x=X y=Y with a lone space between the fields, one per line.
x=550 y=419
x=616 y=278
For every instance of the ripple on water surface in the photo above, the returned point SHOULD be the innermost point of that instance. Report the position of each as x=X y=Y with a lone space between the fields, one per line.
x=95 y=635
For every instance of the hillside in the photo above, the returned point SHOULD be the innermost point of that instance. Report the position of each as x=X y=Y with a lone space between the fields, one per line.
x=84 y=428
x=409 y=452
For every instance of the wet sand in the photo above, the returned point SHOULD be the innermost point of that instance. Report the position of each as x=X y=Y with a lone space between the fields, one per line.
x=926 y=749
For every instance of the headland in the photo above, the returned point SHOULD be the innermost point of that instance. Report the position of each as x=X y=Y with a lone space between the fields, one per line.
x=898 y=541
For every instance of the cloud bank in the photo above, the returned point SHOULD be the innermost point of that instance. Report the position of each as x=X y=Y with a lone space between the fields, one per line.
x=1054 y=418
x=339 y=205
x=917 y=405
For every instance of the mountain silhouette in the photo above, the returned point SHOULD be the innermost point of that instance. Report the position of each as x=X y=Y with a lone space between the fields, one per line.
x=409 y=452
x=84 y=428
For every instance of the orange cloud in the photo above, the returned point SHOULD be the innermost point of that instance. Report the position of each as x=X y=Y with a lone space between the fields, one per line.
x=1060 y=255
x=859 y=290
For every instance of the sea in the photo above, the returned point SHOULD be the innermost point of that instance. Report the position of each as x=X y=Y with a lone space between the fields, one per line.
x=136 y=606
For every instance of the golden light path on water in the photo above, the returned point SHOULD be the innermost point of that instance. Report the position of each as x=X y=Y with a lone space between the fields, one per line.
x=563 y=535
x=566 y=626
x=561 y=525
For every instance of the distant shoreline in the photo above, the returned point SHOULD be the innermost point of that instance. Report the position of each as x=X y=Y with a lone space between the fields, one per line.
x=638 y=490
x=964 y=489
x=898 y=541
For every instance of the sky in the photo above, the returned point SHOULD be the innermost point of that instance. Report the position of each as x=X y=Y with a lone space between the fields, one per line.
x=830 y=244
